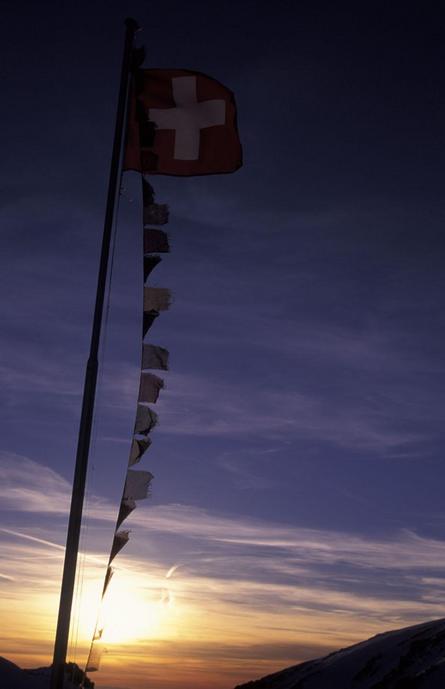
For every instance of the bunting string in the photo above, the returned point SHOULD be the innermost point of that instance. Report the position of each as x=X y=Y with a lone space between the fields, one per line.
x=153 y=357
x=80 y=578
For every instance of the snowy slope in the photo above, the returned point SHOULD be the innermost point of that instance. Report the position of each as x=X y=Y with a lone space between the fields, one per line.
x=410 y=658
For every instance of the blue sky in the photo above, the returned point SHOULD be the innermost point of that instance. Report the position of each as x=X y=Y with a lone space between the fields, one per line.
x=298 y=462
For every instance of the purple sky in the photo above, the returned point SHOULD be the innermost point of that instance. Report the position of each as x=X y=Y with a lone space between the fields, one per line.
x=306 y=389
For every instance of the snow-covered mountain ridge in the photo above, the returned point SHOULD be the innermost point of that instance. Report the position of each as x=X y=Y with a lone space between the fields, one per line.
x=409 y=658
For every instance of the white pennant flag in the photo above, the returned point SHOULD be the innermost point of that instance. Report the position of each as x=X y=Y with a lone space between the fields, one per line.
x=149 y=387
x=146 y=419
x=136 y=485
x=156 y=298
x=155 y=357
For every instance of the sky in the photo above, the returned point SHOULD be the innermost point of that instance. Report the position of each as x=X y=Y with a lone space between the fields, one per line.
x=297 y=504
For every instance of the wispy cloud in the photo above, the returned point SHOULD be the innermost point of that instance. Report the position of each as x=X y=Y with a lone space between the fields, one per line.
x=26 y=486
x=374 y=420
x=39 y=376
x=198 y=406
x=29 y=487
x=6 y=577
x=28 y=537
x=258 y=585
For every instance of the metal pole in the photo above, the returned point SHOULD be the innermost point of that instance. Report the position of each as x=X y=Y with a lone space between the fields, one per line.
x=86 y=419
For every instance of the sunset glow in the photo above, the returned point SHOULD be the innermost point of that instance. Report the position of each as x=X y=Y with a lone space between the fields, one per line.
x=285 y=406
x=154 y=622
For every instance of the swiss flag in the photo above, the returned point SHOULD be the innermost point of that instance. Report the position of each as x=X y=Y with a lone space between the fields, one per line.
x=181 y=123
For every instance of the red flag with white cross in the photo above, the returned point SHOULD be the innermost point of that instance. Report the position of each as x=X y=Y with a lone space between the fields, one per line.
x=181 y=123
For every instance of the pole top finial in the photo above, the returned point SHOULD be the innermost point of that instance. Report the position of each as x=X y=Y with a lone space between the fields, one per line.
x=132 y=24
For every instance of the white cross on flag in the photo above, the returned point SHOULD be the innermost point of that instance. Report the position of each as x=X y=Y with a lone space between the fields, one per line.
x=193 y=125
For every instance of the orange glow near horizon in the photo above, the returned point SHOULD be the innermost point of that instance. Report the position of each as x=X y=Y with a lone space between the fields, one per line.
x=194 y=624
x=166 y=632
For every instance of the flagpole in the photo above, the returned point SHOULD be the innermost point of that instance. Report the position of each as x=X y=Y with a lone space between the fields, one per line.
x=86 y=420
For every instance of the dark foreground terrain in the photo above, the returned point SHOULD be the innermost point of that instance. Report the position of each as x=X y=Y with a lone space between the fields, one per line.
x=13 y=677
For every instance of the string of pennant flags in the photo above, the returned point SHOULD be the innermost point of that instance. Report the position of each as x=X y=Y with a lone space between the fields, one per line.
x=153 y=357
x=179 y=123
